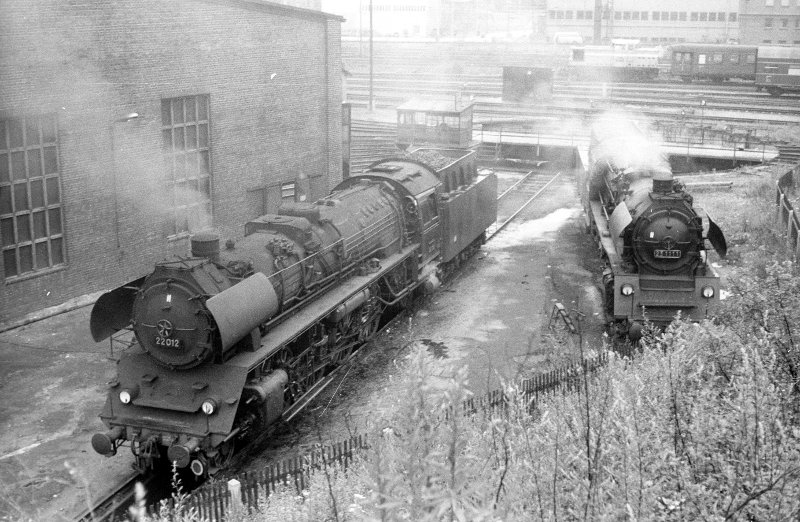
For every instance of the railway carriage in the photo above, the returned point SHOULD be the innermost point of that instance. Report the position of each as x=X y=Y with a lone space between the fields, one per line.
x=714 y=62
x=778 y=69
x=621 y=61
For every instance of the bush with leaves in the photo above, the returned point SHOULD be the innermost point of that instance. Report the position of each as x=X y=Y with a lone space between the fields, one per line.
x=695 y=427
x=764 y=310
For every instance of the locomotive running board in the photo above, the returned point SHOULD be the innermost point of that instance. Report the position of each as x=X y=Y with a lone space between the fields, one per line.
x=315 y=312
x=606 y=242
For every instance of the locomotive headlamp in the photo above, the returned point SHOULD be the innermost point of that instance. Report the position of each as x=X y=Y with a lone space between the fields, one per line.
x=209 y=406
x=627 y=289
x=127 y=395
x=708 y=292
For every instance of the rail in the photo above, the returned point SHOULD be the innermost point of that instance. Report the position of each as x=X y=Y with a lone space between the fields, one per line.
x=115 y=504
x=498 y=226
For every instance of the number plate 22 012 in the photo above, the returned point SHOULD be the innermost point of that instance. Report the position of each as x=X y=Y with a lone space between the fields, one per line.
x=169 y=343
x=667 y=254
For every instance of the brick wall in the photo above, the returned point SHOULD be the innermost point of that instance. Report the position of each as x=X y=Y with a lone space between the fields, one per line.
x=273 y=76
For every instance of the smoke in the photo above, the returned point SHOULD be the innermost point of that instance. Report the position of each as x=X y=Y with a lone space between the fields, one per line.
x=524 y=233
x=627 y=141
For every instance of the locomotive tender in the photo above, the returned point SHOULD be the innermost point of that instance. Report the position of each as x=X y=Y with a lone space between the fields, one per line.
x=649 y=232
x=230 y=340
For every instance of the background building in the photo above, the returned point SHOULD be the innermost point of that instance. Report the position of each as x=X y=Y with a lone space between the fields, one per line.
x=127 y=125
x=769 y=21
x=653 y=21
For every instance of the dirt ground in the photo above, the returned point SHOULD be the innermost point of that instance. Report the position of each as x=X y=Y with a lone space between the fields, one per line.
x=52 y=385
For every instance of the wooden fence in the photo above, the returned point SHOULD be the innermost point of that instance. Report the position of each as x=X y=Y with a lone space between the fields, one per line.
x=786 y=216
x=212 y=502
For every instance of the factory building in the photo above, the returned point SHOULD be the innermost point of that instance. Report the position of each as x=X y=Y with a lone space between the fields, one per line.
x=769 y=22
x=126 y=126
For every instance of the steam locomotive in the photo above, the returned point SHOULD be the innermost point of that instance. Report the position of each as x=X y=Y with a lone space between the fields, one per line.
x=649 y=232
x=230 y=340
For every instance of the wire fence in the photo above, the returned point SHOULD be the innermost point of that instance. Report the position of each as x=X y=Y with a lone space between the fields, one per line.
x=212 y=502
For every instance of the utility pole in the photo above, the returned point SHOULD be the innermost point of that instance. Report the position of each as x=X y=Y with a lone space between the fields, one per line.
x=371 y=101
x=360 y=28
x=597 y=35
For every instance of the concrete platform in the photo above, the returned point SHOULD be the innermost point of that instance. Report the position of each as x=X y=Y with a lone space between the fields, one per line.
x=695 y=150
x=52 y=385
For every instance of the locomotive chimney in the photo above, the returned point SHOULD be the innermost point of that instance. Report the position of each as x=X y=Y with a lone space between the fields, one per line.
x=206 y=244
x=662 y=182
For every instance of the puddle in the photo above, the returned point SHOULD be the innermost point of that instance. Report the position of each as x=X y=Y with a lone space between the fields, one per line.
x=437 y=350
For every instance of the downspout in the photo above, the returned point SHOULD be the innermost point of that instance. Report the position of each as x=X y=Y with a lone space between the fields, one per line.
x=327 y=107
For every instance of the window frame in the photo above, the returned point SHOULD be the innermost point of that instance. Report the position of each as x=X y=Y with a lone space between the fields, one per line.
x=288 y=191
x=36 y=219
x=188 y=167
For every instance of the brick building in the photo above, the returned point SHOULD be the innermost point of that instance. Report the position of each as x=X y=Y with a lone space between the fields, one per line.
x=652 y=21
x=769 y=21
x=127 y=125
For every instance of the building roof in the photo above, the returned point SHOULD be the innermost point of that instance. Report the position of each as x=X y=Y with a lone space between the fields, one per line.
x=288 y=10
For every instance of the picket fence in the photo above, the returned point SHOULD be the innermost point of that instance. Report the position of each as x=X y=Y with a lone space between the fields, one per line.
x=212 y=502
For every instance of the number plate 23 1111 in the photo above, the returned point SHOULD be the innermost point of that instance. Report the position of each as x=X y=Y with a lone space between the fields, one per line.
x=169 y=343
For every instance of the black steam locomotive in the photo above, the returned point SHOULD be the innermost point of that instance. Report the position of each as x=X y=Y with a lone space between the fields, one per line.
x=649 y=232
x=230 y=340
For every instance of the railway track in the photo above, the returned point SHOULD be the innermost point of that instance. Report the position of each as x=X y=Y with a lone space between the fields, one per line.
x=492 y=85
x=667 y=111
x=682 y=101
x=518 y=197
x=114 y=505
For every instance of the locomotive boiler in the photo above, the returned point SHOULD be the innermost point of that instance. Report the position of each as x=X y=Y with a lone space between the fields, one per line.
x=232 y=338
x=651 y=235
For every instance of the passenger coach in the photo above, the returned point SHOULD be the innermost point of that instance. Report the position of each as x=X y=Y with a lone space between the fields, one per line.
x=778 y=69
x=715 y=62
